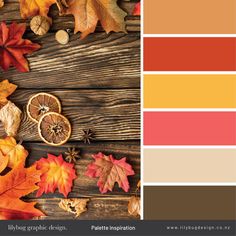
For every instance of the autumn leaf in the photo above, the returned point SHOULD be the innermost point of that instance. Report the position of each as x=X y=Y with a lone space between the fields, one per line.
x=87 y=13
x=13 y=152
x=13 y=47
x=29 y=8
x=6 y=89
x=15 y=184
x=1 y=3
x=109 y=171
x=10 y=116
x=137 y=9
x=56 y=173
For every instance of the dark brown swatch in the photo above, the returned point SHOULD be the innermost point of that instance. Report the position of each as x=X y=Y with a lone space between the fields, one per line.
x=190 y=203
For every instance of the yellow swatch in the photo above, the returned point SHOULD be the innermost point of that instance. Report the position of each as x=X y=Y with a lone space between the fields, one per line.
x=189 y=91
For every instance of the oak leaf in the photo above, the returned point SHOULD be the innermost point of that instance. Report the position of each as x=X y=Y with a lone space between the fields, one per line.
x=87 y=13
x=56 y=173
x=15 y=184
x=110 y=171
x=13 y=47
x=6 y=89
x=13 y=152
x=29 y=8
x=10 y=116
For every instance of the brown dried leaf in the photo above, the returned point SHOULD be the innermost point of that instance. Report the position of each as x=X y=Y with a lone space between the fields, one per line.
x=134 y=206
x=1 y=3
x=10 y=116
x=75 y=206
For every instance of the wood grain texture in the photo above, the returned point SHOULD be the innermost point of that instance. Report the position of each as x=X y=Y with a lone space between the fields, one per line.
x=98 y=82
x=85 y=186
x=99 y=61
x=112 y=114
x=98 y=209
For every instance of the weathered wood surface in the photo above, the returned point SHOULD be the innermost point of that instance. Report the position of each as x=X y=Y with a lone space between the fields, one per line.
x=98 y=209
x=99 y=61
x=85 y=186
x=113 y=114
x=97 y=80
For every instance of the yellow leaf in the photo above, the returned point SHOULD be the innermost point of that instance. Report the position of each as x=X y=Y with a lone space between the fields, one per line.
x=29 y=8
x=14 y=152
x=6 y=89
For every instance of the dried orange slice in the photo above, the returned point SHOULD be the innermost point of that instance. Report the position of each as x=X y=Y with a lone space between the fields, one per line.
x=54 y=129
x=41 y=103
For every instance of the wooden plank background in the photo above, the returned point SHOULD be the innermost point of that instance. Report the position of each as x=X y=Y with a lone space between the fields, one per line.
x=98 y=82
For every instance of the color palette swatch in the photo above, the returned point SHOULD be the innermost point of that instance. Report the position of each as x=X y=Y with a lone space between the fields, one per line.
x=190 y=54
x=189 y=109
x=189 y=128
x=189 y=203
x=190 y=91
x=190 y=165
x=189 y=17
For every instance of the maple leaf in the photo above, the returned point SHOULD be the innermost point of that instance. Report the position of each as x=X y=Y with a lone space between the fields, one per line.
x=87 y=13
x=13 y=47
x=137 y=9
x=29 y=8
x=12 y=153
x=109 y=171
x=56 y=173
x=15 y=184
x=6 y=89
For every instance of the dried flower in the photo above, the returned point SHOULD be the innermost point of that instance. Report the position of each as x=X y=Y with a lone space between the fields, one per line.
x=72 y=154
x=134 y=206
x=75 y=206
x=88 y=136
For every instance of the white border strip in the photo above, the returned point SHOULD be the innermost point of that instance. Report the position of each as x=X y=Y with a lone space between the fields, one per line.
x=189 y=73
x=174 y=184
x=189 y=109
x=189 y=35
x=142 y=105
x=189 y=147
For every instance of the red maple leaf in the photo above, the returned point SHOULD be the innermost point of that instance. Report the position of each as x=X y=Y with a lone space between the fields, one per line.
x=137 y=9
x=110 y=171
x=56 y=173
x=13 y=47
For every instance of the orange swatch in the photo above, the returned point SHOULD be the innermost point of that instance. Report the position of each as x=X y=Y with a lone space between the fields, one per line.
x=190 y=17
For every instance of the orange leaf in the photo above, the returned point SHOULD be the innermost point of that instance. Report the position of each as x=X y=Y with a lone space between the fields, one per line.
x=56 y=174
x=15 y=184
x=13 y=152
x=87 y=13
x=110 y=171
x=13 y=47
x=6 y=89
x=29 y=8
x=1 y=3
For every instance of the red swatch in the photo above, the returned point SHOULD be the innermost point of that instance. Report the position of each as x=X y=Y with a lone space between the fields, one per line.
x=189 y=128
x=190 y=54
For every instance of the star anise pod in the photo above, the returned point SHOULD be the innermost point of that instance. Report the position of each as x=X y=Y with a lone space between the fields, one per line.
x=72 y=154
x=88 y=135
